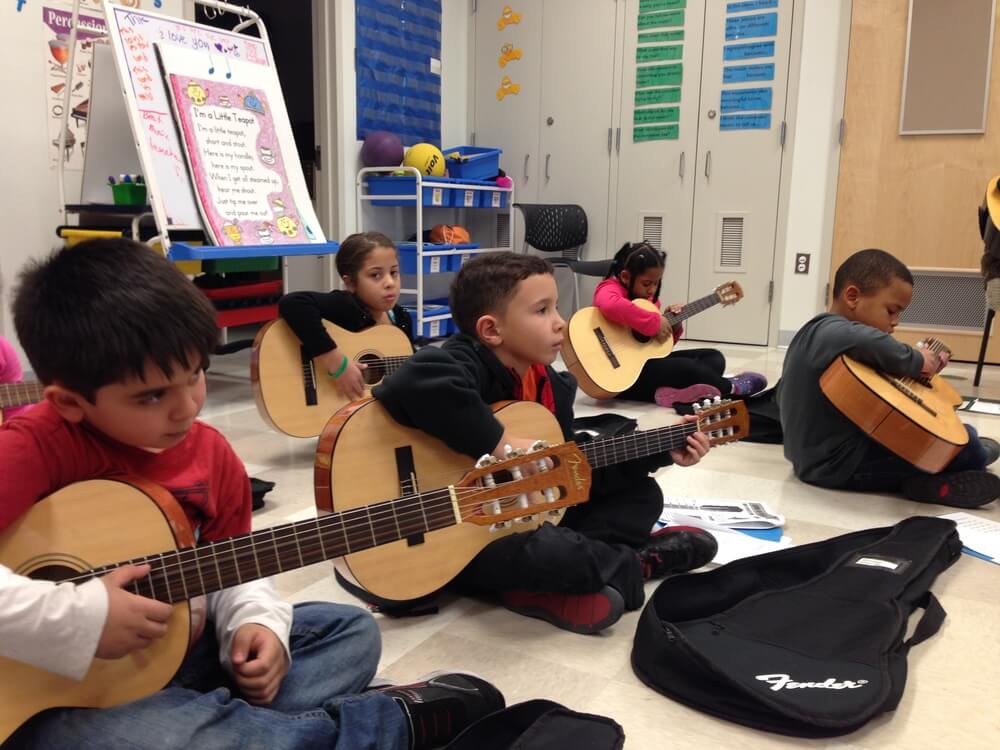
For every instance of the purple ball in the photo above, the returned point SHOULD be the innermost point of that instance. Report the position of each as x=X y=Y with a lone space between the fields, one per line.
x=382 y=149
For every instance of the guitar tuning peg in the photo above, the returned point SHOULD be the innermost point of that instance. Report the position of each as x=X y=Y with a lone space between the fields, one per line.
x=499 y=525
x=706 y=403
x=697 y=407
x=487 y=459
x=524 y=519
x=538 y=445
x=717 y=400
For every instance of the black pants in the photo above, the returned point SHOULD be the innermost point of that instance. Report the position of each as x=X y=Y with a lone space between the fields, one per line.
x=679 y=370
x=594 y=546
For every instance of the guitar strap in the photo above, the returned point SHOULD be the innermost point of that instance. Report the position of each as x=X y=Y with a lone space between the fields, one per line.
x=807 y=642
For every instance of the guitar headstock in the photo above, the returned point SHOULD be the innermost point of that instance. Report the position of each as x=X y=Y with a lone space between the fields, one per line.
x=729 y=293
x=497 y=492
x=723 y=421
x=935 y=345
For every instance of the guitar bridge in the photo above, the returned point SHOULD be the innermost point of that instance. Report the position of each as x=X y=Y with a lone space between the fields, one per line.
x=308 y=378
x=606 y=348
x=407 y=474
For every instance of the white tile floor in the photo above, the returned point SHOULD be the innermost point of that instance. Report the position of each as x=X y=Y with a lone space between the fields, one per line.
x=951 y=698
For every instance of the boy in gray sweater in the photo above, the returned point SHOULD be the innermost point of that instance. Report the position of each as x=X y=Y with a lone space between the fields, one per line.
x=871 y=289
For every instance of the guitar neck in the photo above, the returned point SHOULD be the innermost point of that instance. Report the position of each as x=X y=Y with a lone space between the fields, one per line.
x=181 y=574
x=19 y=394
x=615 y=450
x=691 y=308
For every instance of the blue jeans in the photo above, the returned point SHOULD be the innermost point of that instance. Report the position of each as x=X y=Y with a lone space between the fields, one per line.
x=884 y=471
x=335 y=652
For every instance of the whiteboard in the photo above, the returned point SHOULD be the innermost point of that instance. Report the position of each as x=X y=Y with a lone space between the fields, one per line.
x=110 y=152
x=133 y=33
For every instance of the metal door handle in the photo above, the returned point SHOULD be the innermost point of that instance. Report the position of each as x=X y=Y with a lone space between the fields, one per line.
x=526 y=157
x=547 y=157
x=618 y=140
x=680 y=168
x=609 y=140
x=708 y=164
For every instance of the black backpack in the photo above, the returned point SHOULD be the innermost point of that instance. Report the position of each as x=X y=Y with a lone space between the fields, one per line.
x=540 y=725
x=807 y=641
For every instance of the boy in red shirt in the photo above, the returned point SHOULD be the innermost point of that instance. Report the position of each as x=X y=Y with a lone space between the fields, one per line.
x=121 y=339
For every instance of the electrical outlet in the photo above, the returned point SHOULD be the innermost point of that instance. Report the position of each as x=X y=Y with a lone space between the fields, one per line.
x=801 y=262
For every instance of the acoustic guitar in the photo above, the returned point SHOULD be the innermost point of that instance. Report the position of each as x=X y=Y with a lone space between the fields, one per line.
x=294 y=395
x=19 y=394
x=87 y=529
x=402 y=459
x=914 y=418
x=607 y=357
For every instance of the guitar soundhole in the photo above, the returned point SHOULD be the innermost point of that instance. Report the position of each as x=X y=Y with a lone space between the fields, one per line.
x=375 y=370
x=53 y=573
x=642 y=339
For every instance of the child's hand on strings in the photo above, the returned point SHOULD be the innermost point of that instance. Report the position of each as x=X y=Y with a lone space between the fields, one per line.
x=133 y=621
x=348 y=375
x=697 y=446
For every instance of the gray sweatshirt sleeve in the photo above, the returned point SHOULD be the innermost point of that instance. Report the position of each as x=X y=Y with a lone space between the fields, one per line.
x=872 y=347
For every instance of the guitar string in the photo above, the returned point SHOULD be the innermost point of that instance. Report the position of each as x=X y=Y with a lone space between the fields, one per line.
x=338 y=522
x=208 y=554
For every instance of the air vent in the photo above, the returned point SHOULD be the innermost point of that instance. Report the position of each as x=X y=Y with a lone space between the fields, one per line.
x=946 y=299
x=730 y=243
x=503 y=230
x=652 y=230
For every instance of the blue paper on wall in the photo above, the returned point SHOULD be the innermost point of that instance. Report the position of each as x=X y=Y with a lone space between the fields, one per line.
x=745 y=73
x=750 y=5
x=748 y=51
x=747 y=27
x=742 y=100
x=745 y=122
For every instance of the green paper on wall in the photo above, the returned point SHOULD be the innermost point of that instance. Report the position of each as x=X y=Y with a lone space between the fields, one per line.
x=662 y=36
x=657 y=96
x=657 y=114
x=655 y=20
x=656 y=133
x=659 y=75
x=651 y=6
x=658 y=54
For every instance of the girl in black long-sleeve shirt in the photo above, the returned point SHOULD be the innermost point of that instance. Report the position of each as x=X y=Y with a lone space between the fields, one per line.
x=369 y=265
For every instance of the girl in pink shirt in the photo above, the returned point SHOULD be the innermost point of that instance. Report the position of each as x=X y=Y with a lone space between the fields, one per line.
x=682 y=376
x=10 y=372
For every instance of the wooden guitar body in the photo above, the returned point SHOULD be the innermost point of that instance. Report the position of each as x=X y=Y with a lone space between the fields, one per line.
x=365 y=456
x=606 y=357
x=294 y=395
x=921 y=428
x=84 y=526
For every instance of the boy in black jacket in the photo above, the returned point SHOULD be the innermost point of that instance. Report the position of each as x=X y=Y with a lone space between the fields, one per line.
x=582 y=574
x=870 y=291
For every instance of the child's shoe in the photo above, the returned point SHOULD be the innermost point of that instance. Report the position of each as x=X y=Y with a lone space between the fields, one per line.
x=442 y=704
x=667 y=397
x=676 y=549
x=962 y=489
x=578 y=613
x=992 y=449
x=748 y=383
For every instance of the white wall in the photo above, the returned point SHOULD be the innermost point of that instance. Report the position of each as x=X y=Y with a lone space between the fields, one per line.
x=814 y=162
x=29 y=201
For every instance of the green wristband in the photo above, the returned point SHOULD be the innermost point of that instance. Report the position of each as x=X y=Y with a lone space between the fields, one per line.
x=340 y=370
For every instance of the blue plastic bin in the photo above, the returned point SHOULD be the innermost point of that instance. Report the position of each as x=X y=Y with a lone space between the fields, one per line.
x=403 y=184
x=434 y=263
x=493 y=199
x=474 y=162
x=433 y=328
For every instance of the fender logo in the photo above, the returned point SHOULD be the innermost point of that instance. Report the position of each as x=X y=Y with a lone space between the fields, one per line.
x=779 y=681
x=574 y=466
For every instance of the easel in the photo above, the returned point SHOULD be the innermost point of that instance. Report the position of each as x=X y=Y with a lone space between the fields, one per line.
x=178 y=236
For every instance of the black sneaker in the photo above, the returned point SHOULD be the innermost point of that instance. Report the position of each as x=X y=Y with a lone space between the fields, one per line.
x=676 y=549
x=442 y=704
x=963 y=489
x=992 y=448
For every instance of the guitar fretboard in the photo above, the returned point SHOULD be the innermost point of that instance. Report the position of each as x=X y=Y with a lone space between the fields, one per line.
x=19 y=394
x=181 y=574
x=691 y=308
x=614 y=450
